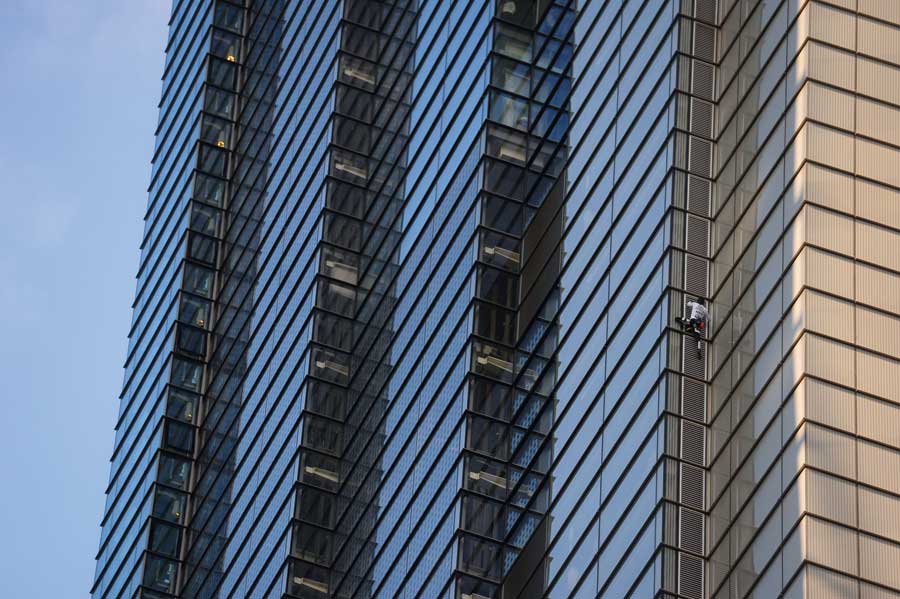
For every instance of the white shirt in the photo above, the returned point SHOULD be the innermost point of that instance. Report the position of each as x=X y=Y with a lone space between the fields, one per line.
x=698 y=311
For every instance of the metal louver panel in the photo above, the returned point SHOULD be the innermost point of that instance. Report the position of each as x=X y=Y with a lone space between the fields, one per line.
x=692 y=364
x=701 y=118
x=700 y=157
x=696 y=275
x=693 y=442
x=693 y=399
x=704 y=42
x=690 y=576
x=698 y=192
x=692 y=486
x=697 y=236
x=705 y=10
x=703 y=79
x=690 y=533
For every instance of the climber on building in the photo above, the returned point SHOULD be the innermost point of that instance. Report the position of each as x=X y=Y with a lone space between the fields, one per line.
x=696 y=323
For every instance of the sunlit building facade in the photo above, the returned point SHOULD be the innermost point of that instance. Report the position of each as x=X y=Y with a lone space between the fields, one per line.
x=405 y=314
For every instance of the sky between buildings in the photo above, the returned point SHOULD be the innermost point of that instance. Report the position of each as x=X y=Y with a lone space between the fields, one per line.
x=79 y=87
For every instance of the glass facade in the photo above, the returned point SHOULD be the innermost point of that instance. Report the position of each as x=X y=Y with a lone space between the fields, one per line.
x=405 y=318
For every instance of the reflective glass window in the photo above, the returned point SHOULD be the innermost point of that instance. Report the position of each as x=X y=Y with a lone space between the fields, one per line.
x=209 y=189
x=181 y=404
x=191 y=341
x=187 y=374
x=316 y=506
x=509 y=110
x=205 y=219
x=212 y=160
x=179 y=436
x=495 y=323
x=311 y=543
x=511 y=75
x=164 y=538
x=174 y=471
x=219 y=102
x=202 y=248
x=501 y=214
x=513 y=42
x=169 y=504
x=221 y=73
x=228 y=16
x=194 y=311
x=197 y=279
x=160 y=574
x=225 y=45
x=215 y=131
x=500 y=251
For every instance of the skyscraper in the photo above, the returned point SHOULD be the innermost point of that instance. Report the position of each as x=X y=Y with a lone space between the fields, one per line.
x=405 y=319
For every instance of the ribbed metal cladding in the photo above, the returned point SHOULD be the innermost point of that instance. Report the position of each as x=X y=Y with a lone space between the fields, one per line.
x=698 y=195
x=697 y=235
x=701 y=118
x=705 y=42
x=703 y=80
x=696 y=275
x=691 y=530
x=692 y=486
x=693 y=399
x=693 y=442
x=700 y=157
x=705 y=10
x=690 y=576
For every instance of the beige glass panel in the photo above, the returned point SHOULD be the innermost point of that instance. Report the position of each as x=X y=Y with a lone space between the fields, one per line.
x=878 y=375
x=878 y=331
x=870 y=591
x=832 y=25
x=879 y=513
x=826 y=584
x=879 y=40
x=830 y=450
x=830 y=404
x=878 y=202
x=831 y=147
x=830 y=188
x=879 y=466
x=828 y=272
x=829 y=360
x=830 y=230
x=878 y=245
x=878 y=120
x=831 y=65
x=878 y=80
x=831 y=106
x=831 y=497
x=883 y=9
x=878 y=560
x=877 y=287
x=879 y=420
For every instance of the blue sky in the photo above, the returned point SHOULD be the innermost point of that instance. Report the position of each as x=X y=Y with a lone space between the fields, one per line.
x=81 y=82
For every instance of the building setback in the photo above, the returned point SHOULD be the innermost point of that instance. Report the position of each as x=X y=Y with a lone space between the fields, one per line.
x=405 y=318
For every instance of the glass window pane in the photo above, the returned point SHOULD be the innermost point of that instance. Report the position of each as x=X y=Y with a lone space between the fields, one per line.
x=197 y=279
x=225 y=45
x=209 y=189
x=160 y=573
x=228 y=16
x=187 y=374
x=511 y=75
x=191 y=341
x=174 y=471
x=202 y=248
x=221 y=73
x=164 y=538
x=513 y=42
x=205 y=219
x=181 y=404
x=212 y=160
x=219 y=102
x=509 y=110
x=179 y=436
x=215 y=131
x=169 y=505
x=194 y=311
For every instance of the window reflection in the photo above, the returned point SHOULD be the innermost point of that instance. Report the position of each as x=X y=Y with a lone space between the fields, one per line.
x=159 y=574
x=513 y=42
x=511 y=75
